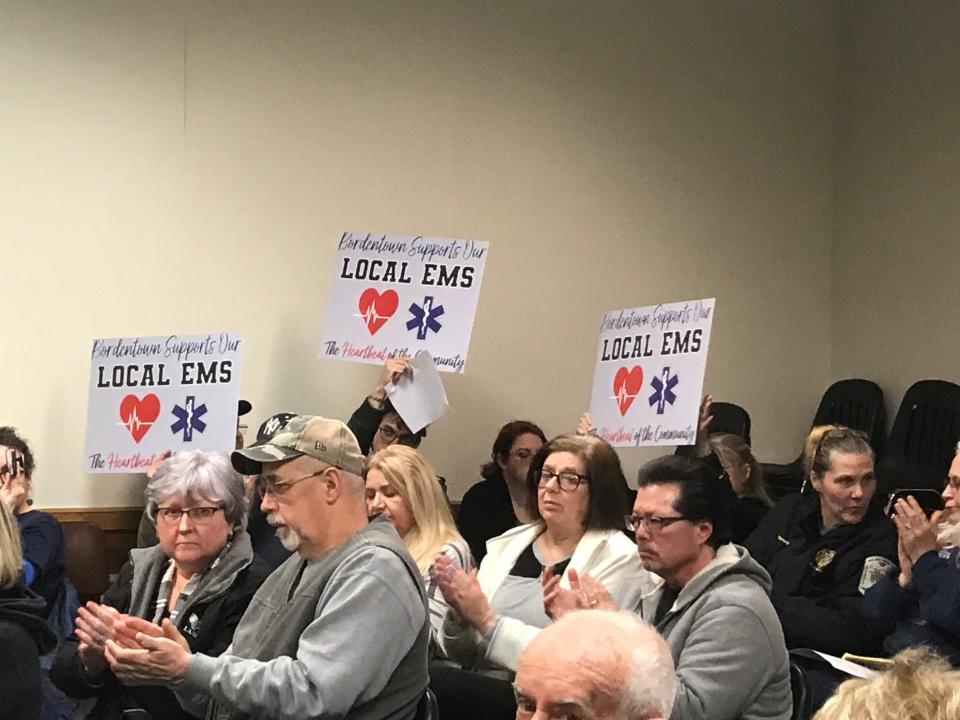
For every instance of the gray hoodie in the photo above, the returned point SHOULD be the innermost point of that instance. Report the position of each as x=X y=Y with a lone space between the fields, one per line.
x=727 y=643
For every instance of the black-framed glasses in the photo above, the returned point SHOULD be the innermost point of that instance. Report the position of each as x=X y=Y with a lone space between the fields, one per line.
x=567 y=480
x=653 y=523
x=392 y=435
x=276 y=489
x=199 y=515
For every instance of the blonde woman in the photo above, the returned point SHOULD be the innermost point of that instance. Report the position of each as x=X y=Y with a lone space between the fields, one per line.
x=919 y=686
x=401 y=486
x=24 y=634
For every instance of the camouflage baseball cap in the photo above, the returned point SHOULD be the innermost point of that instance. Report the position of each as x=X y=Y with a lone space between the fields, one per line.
x=329 y=441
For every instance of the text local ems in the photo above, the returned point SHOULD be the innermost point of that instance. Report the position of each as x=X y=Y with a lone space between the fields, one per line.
x=394 y=271
x=675 y=342
x=154 y=375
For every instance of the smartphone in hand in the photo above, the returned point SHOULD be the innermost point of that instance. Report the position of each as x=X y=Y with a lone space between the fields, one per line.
x=928 y=500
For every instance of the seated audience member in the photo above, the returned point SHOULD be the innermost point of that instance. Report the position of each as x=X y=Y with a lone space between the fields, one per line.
x=501 y=500
x=746 y=478
x=581 y=498
x=712 y=606
x=41 y=537
x=596 y=665
x=375 y=423
x=340 y=630
x=920 y=686
x=922 y=605
x=262 y=537
x=402 y=487
x=824 y=550
x=147 y=530
x=201 y=577
x=24 y=635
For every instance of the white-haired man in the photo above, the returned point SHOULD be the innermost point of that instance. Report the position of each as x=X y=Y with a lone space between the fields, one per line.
x=596 y=665
x=340 y=630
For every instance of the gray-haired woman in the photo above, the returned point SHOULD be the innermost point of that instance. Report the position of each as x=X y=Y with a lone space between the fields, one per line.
x=201 y=576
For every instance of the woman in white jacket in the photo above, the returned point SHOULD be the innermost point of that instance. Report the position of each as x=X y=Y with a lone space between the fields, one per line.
x=582 y=498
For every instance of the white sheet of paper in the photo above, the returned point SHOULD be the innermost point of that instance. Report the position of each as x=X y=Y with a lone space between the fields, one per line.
x=420 y=399
x=845 y=666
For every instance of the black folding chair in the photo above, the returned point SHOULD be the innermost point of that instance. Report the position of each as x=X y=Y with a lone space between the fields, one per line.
x=923 y=438
x=856 y=404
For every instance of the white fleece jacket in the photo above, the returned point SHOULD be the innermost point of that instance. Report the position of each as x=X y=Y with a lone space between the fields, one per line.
x=608 y=555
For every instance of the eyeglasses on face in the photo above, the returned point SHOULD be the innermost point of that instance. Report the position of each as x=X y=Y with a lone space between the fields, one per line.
x=567 y=480
x=393 y=435
x=653 y=523
x=279 y=488
x=197 y=515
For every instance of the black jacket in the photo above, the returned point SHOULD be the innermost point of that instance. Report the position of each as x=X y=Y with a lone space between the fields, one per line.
x=207 y=623
x=364 y=424
x=818 y=580
x=24 y=637
x=485 y=512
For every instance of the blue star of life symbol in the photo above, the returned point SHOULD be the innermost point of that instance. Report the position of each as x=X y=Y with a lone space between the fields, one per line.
x=663 y=390
x=425 y=317
x=188 y=418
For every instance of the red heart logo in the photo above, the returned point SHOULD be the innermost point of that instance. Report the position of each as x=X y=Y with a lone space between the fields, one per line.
x=376 y=308
x=139 y=414
x=626 y=386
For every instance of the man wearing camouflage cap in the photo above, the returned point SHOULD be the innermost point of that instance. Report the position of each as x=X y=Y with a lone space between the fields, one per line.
x=339 y=630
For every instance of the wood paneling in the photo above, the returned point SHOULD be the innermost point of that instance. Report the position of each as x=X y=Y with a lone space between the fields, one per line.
x=119 y=523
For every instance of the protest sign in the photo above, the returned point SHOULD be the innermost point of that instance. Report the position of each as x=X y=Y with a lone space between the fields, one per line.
x=649 y=373
x=395 y=295
x=149 y=394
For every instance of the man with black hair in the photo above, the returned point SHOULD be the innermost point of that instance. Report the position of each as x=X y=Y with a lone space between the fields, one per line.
x=376 y=424
x=713 y=606
x=711 y=603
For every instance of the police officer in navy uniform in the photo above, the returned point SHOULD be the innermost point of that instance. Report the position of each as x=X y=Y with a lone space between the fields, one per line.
x=824 y=550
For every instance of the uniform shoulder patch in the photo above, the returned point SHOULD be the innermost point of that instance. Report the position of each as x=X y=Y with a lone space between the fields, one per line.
x=875 y=568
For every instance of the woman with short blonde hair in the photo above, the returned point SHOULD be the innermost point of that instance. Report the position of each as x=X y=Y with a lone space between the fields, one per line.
x=403 y=488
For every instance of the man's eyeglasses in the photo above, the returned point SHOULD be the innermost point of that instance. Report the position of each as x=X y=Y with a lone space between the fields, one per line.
x=393 y=435
x=567 y=480
x=276 y=489
x=197 y=515
x=653 y=523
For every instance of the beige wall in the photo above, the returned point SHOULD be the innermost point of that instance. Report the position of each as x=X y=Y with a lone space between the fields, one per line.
x=183 y=168
x=896 y=265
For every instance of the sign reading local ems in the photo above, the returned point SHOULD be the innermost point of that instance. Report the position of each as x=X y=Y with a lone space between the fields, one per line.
x=649 y=374
x=399 y=294
x=149 y=394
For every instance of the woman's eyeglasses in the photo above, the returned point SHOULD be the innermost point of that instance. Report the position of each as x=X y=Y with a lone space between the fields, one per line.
x=567 y=480
x=198 y=515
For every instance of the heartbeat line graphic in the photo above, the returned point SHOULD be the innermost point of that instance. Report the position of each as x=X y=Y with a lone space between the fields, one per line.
x=622 y=395
x=371 y=316
x=134 y=422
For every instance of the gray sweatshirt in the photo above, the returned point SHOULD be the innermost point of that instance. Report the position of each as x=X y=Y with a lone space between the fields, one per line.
x=727 y=643
x=342 y=636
